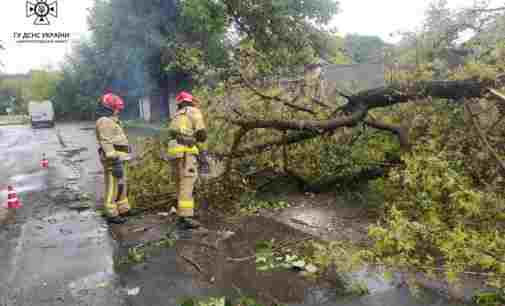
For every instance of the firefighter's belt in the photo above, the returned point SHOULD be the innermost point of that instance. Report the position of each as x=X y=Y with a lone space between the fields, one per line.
x=122 y=148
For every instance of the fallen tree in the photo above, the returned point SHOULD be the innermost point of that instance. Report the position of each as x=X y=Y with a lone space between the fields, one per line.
x=354 y=112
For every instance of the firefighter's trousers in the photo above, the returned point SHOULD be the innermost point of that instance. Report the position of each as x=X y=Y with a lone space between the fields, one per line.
x=115 y=198
x=185 y=173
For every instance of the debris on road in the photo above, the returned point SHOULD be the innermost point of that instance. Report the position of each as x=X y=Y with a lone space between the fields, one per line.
x=65 y=232
x=301 y=222
x=225 y=234
x=49 y=247
x=192 y=262
x=311 y=268
x=80 y=206
x=134 y=291
x=141 y=229
x=102 y=285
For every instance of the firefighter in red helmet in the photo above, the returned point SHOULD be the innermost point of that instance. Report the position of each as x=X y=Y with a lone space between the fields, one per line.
x=114 y=152
x=186 y=147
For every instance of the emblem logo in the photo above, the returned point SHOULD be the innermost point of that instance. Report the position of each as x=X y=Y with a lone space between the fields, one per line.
x=41 y=10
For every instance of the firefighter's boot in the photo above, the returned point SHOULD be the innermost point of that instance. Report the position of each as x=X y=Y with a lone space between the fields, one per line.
x=116 y=220
x=132 y=212
x=187 y=223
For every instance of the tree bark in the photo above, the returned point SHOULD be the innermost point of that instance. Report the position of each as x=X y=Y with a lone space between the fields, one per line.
x=399 y=131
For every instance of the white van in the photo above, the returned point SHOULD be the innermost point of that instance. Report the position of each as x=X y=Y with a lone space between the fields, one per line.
x=41 y=113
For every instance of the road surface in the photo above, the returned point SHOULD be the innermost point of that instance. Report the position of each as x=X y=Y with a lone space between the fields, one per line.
x=51 y=254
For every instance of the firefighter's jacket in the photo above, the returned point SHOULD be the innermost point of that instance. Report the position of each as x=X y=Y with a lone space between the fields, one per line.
x=111 y=137
x=186 y=121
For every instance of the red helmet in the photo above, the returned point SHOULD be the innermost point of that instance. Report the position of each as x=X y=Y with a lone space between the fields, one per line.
x=183 y=96
x=113 y=102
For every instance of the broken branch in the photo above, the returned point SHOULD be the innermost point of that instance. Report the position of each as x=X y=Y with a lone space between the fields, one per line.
x=277 y=98
x=193 y=263
x=299 y=137
x=484 y=140
x=400 y=132
x=303 y=125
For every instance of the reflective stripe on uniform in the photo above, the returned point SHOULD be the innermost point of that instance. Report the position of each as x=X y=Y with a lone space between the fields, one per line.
x=186 y=204
x=110 y=191
x=182 y=149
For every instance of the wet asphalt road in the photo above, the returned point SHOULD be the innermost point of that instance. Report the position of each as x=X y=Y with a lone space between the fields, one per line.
x=53 y=255
x=49 y=254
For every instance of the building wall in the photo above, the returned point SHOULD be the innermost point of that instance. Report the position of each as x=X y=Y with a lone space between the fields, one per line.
x=323 y=83
x=171 y=105
x=352 y=78
x=156 y=108
x=145 y=109
x=349 y=79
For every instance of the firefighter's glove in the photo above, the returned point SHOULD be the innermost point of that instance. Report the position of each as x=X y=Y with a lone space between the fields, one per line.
x=184 y=140
x=117 y=168
x=203 y=163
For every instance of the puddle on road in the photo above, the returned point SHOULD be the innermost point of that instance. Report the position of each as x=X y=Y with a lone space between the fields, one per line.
x=70 y=153
x=70 y=245
x=29 y=182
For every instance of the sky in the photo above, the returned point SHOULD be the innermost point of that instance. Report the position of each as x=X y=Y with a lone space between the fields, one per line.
x=381 y=18
x=366 y=17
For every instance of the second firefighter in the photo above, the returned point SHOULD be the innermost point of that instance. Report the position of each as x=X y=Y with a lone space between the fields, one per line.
x=186 y=148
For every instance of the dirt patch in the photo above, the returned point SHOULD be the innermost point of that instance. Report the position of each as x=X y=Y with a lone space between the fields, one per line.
x=230 y=263
x=141 y=230
x=216 y=259
x=276 y=286
x=325 y=216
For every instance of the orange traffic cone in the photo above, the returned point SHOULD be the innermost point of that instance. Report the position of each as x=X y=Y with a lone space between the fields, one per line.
x=44 y=163
x=12 y=199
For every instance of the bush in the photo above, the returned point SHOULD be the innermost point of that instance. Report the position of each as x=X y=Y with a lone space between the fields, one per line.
x=434 y=220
